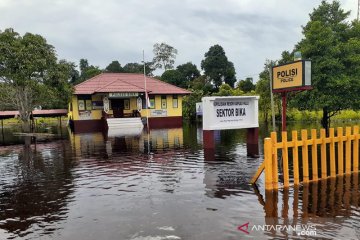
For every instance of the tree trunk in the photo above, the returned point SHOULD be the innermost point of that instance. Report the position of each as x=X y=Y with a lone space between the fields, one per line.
x=325 y=121
x=26 y=126
x=266 y=116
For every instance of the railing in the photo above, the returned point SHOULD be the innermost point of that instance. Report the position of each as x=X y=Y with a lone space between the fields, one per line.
x=337 y=147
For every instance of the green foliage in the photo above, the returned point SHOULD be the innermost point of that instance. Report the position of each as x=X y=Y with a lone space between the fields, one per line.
x=262 y=88
x=217 y=67
x=139 y=68
x=114 y=67
x=189 y=104
x=87 y=71
x=189 y=72
x=226 y=90
x=327 y=43
x=31 y=75
x=246 y=85
x=182 y=76
x=165 y=56
x=173 y=77
x=202 y=83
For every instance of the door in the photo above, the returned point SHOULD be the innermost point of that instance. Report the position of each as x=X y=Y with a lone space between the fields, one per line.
x=117 y=106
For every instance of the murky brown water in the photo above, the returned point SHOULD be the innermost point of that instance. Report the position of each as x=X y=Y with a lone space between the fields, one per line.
x=160 y=186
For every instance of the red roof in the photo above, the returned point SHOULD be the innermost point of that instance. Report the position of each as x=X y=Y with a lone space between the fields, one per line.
x=36 y=113
x=126 y=82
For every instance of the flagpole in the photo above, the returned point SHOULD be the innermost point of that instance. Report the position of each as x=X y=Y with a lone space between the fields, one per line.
x=146 y=94
x=146 y=104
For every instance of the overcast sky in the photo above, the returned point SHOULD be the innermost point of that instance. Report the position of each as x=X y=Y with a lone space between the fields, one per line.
x=250 y=31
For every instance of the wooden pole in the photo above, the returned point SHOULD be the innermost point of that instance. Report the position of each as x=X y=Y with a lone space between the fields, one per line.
x=305 y=160
x=332 y=153
x=348 y=150
x=323 y=154
x=285 y=156
x=283 y=111
x=340 y=151
x=268 y=164
x=272 y=99
x=295 y=157
x=314 y=155
x=275 y=161
x=356 y=150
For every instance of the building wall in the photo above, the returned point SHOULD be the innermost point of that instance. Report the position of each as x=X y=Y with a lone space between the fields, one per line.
x=96 y=114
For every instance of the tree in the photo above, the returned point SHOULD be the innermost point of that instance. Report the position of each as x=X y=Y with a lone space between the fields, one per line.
x=30 y=74
x=139 y=68
x=328 y=44
x=202 y=83
x=189 y=104
x=173 y=77
x=226 y=90
x=165 y=56
x=182 y=76
x=262 y=88
x=246 y=85
x=217 y=67
x=189 y=72
x=87 y=71
x=114 y=67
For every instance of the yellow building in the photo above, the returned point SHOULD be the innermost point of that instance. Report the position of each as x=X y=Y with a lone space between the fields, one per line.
x=120 y=99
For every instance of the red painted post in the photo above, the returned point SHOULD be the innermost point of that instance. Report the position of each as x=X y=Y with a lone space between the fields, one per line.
x=208 y=139
x=252 y=142
x=209 y=145
x=283 y=117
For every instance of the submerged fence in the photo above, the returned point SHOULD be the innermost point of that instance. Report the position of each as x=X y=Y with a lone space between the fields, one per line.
x=343 y=151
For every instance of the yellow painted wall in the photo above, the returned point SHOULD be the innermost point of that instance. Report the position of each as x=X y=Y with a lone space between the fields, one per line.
x=96 y=114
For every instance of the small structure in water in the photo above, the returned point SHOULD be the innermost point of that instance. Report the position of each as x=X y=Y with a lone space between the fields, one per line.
x=119 y=100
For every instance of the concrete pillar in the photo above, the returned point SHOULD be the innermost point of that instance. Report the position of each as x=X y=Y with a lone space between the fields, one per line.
x=209 y=145
x=252 y=142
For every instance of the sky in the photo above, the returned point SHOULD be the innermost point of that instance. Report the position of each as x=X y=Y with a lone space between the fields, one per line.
x=250 y=31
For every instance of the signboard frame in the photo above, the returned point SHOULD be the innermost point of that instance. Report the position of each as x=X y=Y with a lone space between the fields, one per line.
x=115 y=95
x=209 y=113
x=306 y=77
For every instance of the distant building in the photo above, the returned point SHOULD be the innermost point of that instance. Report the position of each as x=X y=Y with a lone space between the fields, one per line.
x=121 y=96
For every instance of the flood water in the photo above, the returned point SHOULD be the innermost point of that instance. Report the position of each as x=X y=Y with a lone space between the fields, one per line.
x=161 y=185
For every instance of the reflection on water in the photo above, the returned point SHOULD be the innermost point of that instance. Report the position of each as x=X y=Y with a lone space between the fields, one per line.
x=160 y=185
x=35 y=188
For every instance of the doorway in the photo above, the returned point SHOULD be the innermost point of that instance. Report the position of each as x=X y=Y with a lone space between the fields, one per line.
x=117 y=106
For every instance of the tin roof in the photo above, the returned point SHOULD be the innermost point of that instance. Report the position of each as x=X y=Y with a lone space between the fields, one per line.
x=126 y=82
x=36 y=113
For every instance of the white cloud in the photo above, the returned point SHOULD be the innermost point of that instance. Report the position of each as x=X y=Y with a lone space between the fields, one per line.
x=101 y=31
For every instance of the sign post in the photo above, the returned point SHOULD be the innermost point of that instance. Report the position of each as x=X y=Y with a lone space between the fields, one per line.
x=295 y=76
x=234 y=112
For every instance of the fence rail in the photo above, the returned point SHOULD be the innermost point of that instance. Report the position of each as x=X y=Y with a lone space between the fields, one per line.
x=337 y=147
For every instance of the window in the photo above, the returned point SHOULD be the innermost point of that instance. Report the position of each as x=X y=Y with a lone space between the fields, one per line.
x=84 y=102
x=81 y=104
x=126 y=104
x=88 y=105
x=163 y=102
x=152 y=102
x=175 y=101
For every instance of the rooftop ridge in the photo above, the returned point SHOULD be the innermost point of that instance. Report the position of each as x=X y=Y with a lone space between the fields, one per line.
x=88 y=79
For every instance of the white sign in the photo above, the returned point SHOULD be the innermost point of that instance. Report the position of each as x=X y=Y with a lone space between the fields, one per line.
x=158 y=113
x=106 y=104
x=233 y=112
x=139 y=104
x=85 y=115
x=123 y=94
x=199 y=109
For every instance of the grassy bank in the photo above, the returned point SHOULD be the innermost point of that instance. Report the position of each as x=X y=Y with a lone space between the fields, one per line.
x=296 y=115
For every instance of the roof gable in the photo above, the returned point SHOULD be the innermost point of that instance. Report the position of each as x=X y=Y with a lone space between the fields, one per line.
x=126 y=82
